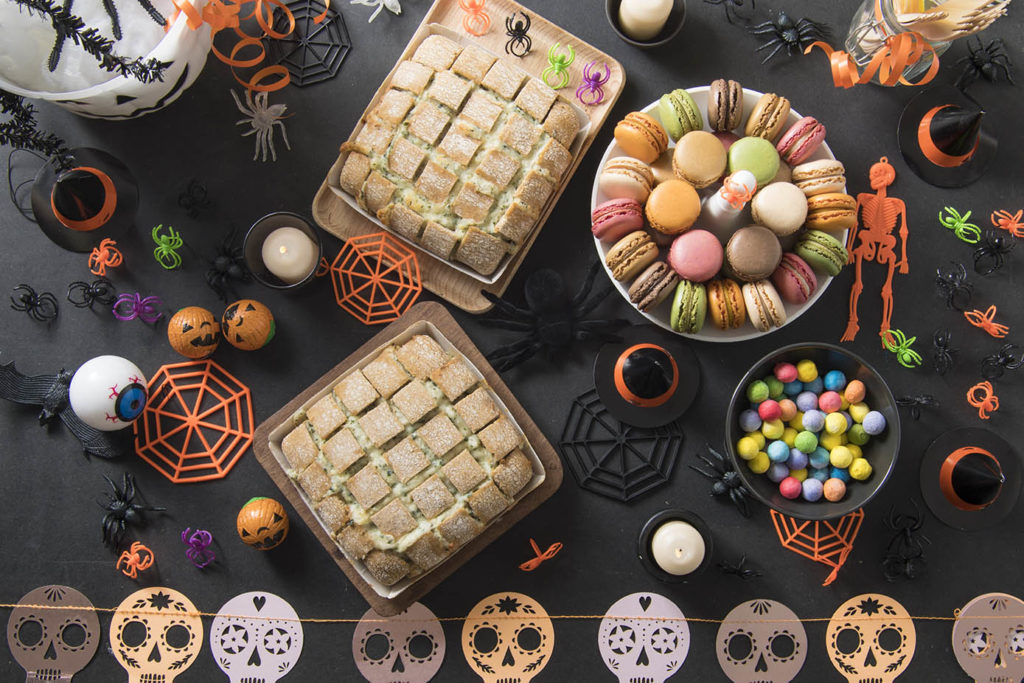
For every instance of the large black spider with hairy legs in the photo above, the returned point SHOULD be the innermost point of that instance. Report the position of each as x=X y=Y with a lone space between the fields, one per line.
x=122 y=510
x=794 y=36
x=552 y=320
x=727 y=480
x=987 y=61
x=227 y=267
x=732 y=8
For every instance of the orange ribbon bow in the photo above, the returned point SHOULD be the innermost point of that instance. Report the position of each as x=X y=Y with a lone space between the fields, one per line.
x=986 y=321
x=541 y=557
x=982 y=397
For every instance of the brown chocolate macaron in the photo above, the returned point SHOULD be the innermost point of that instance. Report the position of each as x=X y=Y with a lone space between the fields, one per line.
x=768 y=117
x=725 y=105
x=653 y=286
x=753 y=253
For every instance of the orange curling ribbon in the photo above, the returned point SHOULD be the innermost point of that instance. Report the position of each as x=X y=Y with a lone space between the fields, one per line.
x=737 y=194
x=899 y=52
x=933 y=153
x=986 y=321
x=982 y=396
x=541 y=557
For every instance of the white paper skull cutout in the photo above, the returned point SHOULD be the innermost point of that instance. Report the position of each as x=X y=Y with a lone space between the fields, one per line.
x=871 y=639
x=507 y=637
x=53 y=644
x=256 y=638
x=406 y=648
x=988 y=638
x=643 y=638
x=761 y=641
x=155 y=634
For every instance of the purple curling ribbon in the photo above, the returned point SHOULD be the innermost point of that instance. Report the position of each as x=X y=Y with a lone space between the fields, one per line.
x=197 y=548
x=590 y=91
x=132 y=306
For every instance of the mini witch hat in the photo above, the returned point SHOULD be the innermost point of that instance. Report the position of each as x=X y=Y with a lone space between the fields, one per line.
x=943 y=137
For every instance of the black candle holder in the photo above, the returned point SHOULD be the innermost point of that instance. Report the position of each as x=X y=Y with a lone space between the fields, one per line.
x=252 y=247
x=674 y=24
x=643 y=548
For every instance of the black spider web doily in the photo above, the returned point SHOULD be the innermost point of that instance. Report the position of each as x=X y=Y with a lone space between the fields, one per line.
x=612 y=458
x=312 y=52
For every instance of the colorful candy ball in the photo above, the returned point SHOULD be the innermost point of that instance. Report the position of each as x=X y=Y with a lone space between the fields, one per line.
x=834 y=490
x=835 y=380
x=830 y=402
x=806 y=371
x=785 y=372
x=790 y=488
x=874 y=423
x=769 y=410
x=757 y=391
x=812 y=489
x=855 y=391
x=860 y=469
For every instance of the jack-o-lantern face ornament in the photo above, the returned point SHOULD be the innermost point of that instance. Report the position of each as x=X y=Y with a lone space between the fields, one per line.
x=53 y=644
x=988 y=638
x=193 y=332
x=155 y=634
x=247 y=324
x=871 y=639
x=262 y=523
x=508 y=637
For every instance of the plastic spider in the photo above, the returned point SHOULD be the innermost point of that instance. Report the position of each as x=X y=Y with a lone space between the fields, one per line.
x=40 y=307
x=985 y=61
x=262 y=118
x=519 y=44
x=942 y=353
x=122 y=510
x=1011 y=223
x=967 y=232
x=131 y=306
x=915 y=403
x=227 y=266
x=105 y=255
x=727 y=481
x=558 y=64
x=477 y=21
x=738 y=569
x=137 y=559
x=193 y=198
x=733 y=5
x=591 y=92
x=894 y=340
x=990 y=254
x=166 y=252
x=789 y=34
x=904 y=556
x=1008 y=357
x=197 y=548
x=85 y=294
x=551 y=321
x=953 y=285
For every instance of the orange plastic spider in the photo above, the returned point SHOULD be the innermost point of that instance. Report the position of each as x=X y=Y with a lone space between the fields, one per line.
x=104 y=256
x=986 y=321
x=476 y=21
x=541 y=557
x=136 y=559
x=982 y=396
x=1011 y=223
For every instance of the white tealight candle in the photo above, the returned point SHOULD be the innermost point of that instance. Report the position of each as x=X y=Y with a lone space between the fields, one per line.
x=643 y=19
x=289 y=254
x=677 y=548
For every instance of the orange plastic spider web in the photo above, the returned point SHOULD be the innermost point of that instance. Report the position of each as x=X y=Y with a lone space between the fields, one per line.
x=376 y=278
x=828 y=542
x=197 y=423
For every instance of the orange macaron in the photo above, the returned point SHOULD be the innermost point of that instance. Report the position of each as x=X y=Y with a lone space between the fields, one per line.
x=641 y=136
x=831 y=212
x=672 y=207
x=725 y=304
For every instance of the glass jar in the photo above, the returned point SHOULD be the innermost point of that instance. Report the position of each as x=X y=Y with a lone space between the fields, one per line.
x=875 y=21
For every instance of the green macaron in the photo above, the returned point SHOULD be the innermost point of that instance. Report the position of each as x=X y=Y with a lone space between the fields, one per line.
x=756 y=155
x=689 y=307
x=822 y=251
x=679 y=114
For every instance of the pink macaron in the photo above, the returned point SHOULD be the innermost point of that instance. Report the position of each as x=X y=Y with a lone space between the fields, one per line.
x=696 y=255
x=616 y=218
x=800 y=141
x=794 y=279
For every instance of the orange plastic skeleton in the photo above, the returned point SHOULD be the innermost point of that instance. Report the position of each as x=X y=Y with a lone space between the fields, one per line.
x=877 y=216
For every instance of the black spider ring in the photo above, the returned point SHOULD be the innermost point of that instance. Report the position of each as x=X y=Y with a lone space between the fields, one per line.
x=953 y=286
x=942 y=352
x=85 y=294
x=1008 y=357
x=39 y=307
x=519 y=43
x=915 y=403
x=990 y=254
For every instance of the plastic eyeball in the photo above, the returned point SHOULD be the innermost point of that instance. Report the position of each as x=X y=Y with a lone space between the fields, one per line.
x=108 y=393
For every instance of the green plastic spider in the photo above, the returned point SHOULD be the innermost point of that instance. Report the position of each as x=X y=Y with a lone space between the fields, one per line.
x=897 y=342
x=968 y=232
x=557 y=66
x=166 y=253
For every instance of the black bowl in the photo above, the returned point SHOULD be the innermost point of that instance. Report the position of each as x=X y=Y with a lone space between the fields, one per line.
x=676 y=19
x=252 y=247
x=880 y=451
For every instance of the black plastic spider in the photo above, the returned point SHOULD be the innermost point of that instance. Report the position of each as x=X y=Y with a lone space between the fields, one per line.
x=785 y=33
x=39 y=307
x=942 y=353
x=519 y=44
x=727 y=481
x=904 y=556
x=953 y=285
x=915 y=403
x=122 y=510
x=227 y=266
x=738 y=569
x=1008 y=357
x=732 y=5
x=85 y=294
x=193 y=198
x=551 y=320
x=986 y=61
x=990 y=254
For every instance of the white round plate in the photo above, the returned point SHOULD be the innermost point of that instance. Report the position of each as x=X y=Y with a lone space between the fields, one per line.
x=660 y=315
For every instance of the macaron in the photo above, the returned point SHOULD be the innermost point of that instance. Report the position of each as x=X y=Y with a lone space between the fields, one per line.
x=641 y=136
x=755 y=155
x=725 y=304
x=662 y=168
x=819 y=177
x=821 y=251
x=763 y=305
x=672 y=207
x=689 y=307
x=626 y=177
x=699 y=158
x=794 y=279
x=801 y=140
x=832 y=211
x=725 y=105
x=780 y=207
x=679 y=113
x=768 y=117
x=753 y=253
x=630 y=255
x=616 y=218
x=653 y=286
x=696 y=255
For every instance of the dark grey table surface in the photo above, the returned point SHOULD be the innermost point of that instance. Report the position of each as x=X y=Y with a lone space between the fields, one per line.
x=48 y=491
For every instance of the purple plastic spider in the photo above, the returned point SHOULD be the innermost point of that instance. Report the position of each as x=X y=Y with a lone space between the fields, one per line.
x=198 y=547
x=134 y=305
x=789 y=34
x=590 y=91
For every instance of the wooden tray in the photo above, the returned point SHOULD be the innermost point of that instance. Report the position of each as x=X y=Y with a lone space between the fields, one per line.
x=338 y=218
x=437 y=315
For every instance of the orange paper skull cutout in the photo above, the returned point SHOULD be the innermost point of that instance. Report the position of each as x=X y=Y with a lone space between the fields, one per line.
x=871 y=638
x=507 y=637
x=155 y=634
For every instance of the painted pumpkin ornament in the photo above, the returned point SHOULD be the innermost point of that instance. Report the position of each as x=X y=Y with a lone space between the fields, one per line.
x=247 y=324
x=262 y=523
x=194 y=332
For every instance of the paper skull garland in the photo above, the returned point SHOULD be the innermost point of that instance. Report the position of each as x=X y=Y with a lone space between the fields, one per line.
x=761 y=640
x=507 y=637
x=407 y=648
x=256 y=637
x=643 y=637
x=53 y=644
x=871 y=638
x=155 y=634
x=988 y=638
x=247 y=325
x=193 y=332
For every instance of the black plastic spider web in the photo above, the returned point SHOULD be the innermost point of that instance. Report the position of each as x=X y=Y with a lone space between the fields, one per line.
x=615 y=459
x=312 y=52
